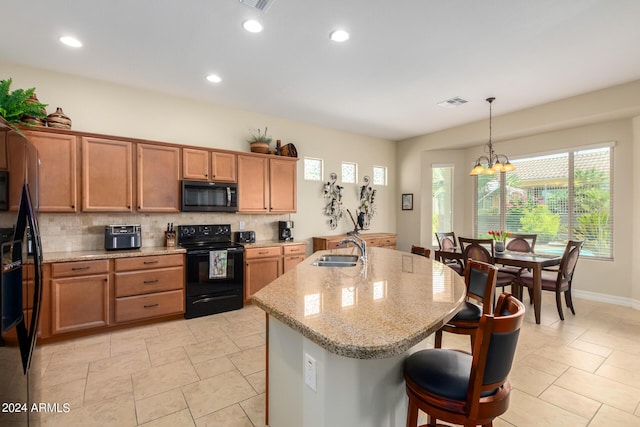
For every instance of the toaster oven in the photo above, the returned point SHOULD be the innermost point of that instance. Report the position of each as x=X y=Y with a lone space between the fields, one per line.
x=119 y=237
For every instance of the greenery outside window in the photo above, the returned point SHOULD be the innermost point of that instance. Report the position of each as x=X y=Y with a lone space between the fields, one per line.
x=442 y=200
x=559 y=197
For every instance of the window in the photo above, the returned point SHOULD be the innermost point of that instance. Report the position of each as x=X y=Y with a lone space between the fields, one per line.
x=313 y=169
x=379 y=175
x=442 y=201
x=558 y=197
x=349 y=172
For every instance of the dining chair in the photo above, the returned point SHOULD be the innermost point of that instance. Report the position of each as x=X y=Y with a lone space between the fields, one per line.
x=558 y=279
x=447 y=242
x=480 y=280
x=419 y=250
x=467 y=389
x=524 y=243
x=483 y=250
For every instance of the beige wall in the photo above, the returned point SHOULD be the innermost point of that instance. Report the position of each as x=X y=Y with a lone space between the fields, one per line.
x=118 y=110
x=601 y=116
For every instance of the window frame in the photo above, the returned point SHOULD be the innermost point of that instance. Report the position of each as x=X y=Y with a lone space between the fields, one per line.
x=571 y=214
x=355 y=174
x=304 y=172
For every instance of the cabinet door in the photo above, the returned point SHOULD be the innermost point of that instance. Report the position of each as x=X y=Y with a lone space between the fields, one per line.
x=58 y=184
x=107 y=184
x=3 y=151
x=223 y=166
x=258 y=273
x=158 y=186
x=79 y=303
x=195 y=164
x=253 y=189
x=282 y=185
x=291 y=261
x=16 y=159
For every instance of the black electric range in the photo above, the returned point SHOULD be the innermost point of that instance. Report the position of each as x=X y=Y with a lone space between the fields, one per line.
x=214 y=269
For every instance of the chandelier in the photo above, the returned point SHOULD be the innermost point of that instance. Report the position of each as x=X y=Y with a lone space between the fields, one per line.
x=494 y=162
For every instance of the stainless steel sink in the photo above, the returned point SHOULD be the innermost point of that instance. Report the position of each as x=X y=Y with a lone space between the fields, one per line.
x=336 y=261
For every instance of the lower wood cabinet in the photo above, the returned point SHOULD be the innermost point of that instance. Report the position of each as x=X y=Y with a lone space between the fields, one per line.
x=380 y=240
x=264 y=265
x=86 y=295
x=79 y=296
x=149 y=286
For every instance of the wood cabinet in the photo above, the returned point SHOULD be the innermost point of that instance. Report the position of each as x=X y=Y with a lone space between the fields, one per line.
x=58 y=183
x=147 y=287
x=107 y=178
x=265 y=264
x=79 y=296
x=262 y=266
x=382 y=240
x=208 y=165
x=158 y=183
x=15 y=165
x=292 y=256
x=266 y=184
x=3 y=151
x=282 y=185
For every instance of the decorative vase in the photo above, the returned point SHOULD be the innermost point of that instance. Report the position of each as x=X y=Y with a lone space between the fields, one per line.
x=260 y=147
x=499 y=247
x=35 y=121
x=58 y=120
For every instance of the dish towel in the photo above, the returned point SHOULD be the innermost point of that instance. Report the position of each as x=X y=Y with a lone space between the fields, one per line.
x=217 y=264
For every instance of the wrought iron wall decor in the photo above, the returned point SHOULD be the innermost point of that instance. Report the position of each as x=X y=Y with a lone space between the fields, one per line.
x=367 y=207
x=333 y=195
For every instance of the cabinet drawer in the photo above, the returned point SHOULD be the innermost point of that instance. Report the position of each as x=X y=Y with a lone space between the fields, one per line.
x=145 y=262
x=79 y=268
x=146 y=306
x=148 y=281
x=334 y=244
x=294 y=249
x=263 y=252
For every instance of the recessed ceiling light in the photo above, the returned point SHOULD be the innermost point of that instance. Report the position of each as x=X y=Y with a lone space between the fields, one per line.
x=339 y=36
x=214 y=78
x=71 y=41
x=252 y=26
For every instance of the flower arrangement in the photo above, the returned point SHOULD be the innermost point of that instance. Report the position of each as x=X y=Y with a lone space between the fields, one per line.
x=499 y=235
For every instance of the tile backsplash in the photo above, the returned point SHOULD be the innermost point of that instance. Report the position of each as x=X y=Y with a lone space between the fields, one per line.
x=78 y=232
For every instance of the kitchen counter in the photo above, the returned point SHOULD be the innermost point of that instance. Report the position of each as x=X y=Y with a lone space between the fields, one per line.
x=49 y=257
x=338 y=337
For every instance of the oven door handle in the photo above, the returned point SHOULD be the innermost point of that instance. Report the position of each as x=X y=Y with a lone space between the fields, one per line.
x=209 y=299
x=206 y=251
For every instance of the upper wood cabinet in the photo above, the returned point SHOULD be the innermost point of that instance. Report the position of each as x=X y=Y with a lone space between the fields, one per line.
x=16 y=166
x=282 y=185
x=107 y=184
x=253 y=184
x=158 y=184
x=58 y=183
x=208 y=165
x=266 y=184
x=3 y=151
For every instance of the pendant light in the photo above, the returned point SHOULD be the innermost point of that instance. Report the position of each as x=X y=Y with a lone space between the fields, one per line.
x=494 y=162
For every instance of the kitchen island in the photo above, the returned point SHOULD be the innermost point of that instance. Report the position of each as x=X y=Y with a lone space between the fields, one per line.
x=338 y=336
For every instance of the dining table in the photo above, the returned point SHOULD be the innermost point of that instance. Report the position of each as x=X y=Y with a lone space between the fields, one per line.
x=534 y=261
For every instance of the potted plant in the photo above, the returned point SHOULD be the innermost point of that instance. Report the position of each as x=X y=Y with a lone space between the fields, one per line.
x=20 y=107
x=260 y=142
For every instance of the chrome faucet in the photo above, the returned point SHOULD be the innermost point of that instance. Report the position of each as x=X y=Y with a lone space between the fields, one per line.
x=360 y=244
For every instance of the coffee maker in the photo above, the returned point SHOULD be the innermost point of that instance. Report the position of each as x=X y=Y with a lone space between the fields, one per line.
x=284 y=230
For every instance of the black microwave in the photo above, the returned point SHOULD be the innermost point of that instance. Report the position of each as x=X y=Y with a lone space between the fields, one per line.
x=205 y=196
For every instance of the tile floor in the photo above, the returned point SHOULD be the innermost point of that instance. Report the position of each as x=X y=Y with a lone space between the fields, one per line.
x=210 y=371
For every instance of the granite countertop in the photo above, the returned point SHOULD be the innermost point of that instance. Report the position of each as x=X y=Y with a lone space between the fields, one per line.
x=373 y=311
x=102 y=254
x=266 y=243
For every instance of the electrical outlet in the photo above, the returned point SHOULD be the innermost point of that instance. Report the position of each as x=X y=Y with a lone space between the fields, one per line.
x=241 y=225
x=310 y=372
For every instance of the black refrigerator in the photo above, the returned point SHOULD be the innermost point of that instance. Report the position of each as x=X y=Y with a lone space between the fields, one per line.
x=20 y=280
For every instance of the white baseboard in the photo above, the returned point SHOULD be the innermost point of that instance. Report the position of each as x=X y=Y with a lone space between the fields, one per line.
x=609 y=299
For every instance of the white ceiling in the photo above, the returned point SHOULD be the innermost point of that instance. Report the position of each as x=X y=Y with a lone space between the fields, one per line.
x=404 y=56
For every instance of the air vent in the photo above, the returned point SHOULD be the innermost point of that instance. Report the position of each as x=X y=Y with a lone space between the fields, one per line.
x=262 y=5
x=456 y=101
